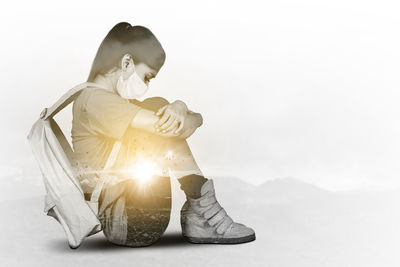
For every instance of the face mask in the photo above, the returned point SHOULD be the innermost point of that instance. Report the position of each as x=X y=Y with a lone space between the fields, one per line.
x=131 y=88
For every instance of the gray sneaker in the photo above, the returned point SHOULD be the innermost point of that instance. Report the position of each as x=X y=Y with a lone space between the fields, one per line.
x=203 y=220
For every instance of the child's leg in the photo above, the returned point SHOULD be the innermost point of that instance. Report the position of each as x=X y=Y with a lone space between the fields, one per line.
x=173 y=154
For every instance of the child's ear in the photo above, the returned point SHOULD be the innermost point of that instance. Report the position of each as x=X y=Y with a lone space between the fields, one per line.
x=127 y=62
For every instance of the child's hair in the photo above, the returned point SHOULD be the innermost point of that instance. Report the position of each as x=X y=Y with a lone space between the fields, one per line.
x=122 y=39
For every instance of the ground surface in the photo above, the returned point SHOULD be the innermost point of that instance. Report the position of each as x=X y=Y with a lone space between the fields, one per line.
x=296 y=224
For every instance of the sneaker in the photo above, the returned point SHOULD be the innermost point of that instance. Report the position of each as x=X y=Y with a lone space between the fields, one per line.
x=203 y=220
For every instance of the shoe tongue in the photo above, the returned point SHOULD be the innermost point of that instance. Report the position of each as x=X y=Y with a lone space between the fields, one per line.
x=207 y=187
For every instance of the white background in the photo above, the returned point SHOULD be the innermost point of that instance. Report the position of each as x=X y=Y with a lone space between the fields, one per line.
x=303 y=89
x=306 y=89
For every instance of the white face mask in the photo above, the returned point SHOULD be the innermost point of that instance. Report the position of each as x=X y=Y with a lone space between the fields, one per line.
x=131 y=88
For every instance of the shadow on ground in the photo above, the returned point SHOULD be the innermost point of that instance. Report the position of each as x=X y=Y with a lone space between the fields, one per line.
x=99 y=242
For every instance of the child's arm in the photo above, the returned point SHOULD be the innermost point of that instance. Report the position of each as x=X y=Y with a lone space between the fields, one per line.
x=176 y=118
x=146 y=120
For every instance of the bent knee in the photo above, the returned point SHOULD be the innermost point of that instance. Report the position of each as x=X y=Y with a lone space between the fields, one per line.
x=154 y=103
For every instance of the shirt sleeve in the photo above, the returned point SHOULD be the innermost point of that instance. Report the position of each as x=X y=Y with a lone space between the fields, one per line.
x=108 y=114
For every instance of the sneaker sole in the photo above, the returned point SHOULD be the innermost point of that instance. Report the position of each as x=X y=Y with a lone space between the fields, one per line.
x=236 y=240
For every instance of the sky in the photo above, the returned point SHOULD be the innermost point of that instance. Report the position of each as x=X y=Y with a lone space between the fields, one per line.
x=304 y=89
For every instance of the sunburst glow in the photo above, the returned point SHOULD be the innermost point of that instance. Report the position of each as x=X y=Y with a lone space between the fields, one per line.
x=143 y=171
x=169 y=155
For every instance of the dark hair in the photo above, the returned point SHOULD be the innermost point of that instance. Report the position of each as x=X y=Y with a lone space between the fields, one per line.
x=122 y=39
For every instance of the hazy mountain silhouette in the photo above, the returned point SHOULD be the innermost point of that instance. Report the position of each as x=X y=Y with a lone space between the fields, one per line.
x=276 y=191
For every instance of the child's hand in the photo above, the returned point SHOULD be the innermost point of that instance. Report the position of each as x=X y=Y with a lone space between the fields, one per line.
x=172 y=117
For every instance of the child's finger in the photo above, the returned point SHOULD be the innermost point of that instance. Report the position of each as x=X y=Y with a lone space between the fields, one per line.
x=162 y=120
x=180 y=127
x=161 y=110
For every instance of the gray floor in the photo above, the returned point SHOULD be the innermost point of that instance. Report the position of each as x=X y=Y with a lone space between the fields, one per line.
x=296 y=224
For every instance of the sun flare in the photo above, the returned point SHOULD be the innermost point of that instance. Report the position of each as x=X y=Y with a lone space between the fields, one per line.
x=143 y=171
